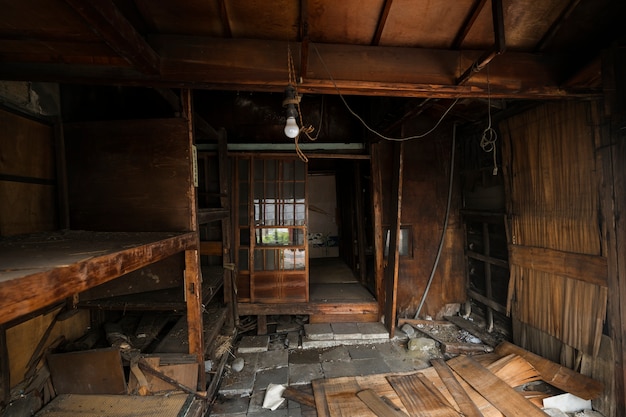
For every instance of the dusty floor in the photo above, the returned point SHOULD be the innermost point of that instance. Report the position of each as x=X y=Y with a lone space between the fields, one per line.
x=242 y=393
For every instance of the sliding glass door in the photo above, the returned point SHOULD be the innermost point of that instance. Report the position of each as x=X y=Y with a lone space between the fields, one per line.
x=272 y=230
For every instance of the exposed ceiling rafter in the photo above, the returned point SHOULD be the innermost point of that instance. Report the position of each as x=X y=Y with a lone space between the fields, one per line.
x=497 y=14
x=304 y=37
x=108 y=22
x=382 y=19
x=556 y=25
x=228 y=33
x=468 y=23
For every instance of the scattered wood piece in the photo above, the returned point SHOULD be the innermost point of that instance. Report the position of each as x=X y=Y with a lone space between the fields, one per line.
x=298 y=396
x=514 y=370
x=456 y=390
x=144 y=366
x=418 y=398
x=557 y=375
x=474 y=329
x=378 y=405
x=510 y=402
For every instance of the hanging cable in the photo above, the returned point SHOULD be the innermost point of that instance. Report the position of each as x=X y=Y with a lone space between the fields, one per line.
x=308 y=129
x=445 y=225
x=345 y=103
x=489 y=137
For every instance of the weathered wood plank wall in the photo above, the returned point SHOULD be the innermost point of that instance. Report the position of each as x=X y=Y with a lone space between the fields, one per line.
x=550 y=164
x=426 y=177
x=144 y=155
x=27 y=175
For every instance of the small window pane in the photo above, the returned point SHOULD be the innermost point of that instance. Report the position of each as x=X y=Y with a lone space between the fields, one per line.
x=259 y=172
x=270 y=170
x=300 y=171
x=243 y=170
x=244 y=237
x=243 y=259
x=288 y=170
x=299 y=194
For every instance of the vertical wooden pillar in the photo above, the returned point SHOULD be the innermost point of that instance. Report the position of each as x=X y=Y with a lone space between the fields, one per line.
x=193 y=277
x=230 y=287
x=611 y=155
x=360 y=221
x=5 y=377
x=393 y=259
x=377 y=219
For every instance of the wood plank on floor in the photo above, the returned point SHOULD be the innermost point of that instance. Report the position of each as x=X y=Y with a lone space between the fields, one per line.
x=419 y=400
x=510 y=402
x=456 y=390
x=68 y=405
x=555 y=374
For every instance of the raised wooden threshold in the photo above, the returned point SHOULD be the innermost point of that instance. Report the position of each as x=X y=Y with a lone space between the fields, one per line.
x=319 y=312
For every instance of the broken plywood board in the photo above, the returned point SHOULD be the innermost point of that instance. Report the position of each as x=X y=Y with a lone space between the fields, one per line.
x=510 y=402
x=97 y=371
x=378 y=405
x=184 y=373
x=68 y=405
x=555 y=374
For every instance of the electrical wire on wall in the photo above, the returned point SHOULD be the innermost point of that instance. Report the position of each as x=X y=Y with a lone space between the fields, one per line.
x=413 y=137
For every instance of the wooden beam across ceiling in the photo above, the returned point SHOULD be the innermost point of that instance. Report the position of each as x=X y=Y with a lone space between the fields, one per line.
x=108 y=22
x=260 y=65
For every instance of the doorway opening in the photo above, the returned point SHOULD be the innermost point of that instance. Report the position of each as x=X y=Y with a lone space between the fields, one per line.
x=339 y=231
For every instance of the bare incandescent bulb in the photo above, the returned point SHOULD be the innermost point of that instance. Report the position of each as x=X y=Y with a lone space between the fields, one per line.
x=291 y=127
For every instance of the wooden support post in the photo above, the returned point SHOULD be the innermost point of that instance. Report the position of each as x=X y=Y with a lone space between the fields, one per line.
x=230 y=287
x=377 y=218
x=393 y=262
x=261 y=324
x=611 y=155
x=193 y=277
x=360 y=221
x=193 y=292
x=5 y=377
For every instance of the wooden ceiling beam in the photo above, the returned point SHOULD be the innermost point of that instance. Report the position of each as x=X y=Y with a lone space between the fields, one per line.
x=108 y=22
x=256 y=65
x=382 y=20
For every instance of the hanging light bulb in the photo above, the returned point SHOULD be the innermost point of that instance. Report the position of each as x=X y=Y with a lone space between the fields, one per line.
x=291 y=127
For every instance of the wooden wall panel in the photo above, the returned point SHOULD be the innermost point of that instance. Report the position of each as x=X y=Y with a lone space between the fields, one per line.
x=550 y=166
x=426 y=177
x=23 y=338
x=129 y=175
x=27 y=176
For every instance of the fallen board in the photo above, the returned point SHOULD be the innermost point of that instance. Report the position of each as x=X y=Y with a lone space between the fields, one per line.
x=555 y=374
x=419 y=400
x=68 y=405
x=510 y=402
x=97 y=371
x=456 y=390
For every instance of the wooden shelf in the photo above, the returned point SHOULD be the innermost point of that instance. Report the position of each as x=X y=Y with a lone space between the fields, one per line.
x=45 y=268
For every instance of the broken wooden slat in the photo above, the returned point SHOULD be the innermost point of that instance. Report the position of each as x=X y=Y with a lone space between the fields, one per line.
x=510 y=402
x=458 y=393
x=514 y=370
x=298 y=396
x=555 y=374
x=377 y=405
x=418 y=399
